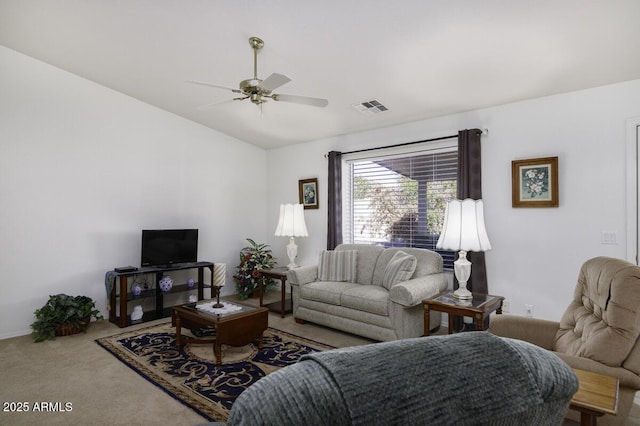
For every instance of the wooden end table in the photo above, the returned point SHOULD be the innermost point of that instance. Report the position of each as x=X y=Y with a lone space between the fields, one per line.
x=597 y=395
x=284 y=306
x=237 y=328
x=478 y=308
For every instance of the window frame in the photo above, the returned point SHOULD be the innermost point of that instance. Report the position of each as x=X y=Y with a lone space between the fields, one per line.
x=448 y=145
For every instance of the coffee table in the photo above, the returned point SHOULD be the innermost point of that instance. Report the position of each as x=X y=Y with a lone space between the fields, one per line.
x=237 y=328
x=597 y=395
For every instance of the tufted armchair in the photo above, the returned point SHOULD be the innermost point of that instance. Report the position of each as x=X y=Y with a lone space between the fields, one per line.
x=599 y=330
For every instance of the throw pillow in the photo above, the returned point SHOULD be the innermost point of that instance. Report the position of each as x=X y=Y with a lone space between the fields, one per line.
x=400 y=268
x=339 y=265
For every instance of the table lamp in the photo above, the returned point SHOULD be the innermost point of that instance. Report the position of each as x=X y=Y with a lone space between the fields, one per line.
x=463 y=230
x=291 y=224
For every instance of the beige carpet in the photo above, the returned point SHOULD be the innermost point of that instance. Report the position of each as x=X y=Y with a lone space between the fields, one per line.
x=101 y=390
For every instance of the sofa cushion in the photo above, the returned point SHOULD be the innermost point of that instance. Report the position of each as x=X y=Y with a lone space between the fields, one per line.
x=325 y=291
x=366 y=298
x=400 y=268
x=338 y=265
x=368 y=255
x=428 y=263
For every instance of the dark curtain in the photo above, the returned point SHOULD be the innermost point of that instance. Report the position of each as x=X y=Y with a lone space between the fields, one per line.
x=470 y=186
x=334 y=204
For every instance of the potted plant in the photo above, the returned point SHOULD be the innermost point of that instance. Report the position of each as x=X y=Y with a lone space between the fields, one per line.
x=253 y=258
x=63 y=315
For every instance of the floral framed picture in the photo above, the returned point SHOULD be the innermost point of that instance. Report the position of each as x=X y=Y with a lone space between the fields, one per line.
x=534 y=182
x=308 y=192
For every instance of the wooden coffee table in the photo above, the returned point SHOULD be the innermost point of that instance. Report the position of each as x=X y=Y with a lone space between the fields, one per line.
x=237 y=328
x=597 y=395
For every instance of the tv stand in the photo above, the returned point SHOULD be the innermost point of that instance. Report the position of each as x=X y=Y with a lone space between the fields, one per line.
x=120 y=294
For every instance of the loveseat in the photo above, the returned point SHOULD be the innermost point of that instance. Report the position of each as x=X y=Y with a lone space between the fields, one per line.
x=369 y=290
x=459 y=379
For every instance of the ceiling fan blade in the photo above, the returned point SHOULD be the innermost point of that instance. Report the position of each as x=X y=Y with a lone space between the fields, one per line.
x=273 y=82
x=204 y=83
x=212 y=104
x=317 y=102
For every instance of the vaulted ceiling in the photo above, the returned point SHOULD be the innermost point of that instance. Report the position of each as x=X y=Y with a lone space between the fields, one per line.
x=418 y=58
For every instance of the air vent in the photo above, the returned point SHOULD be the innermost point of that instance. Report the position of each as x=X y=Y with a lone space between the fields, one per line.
x=370 y=107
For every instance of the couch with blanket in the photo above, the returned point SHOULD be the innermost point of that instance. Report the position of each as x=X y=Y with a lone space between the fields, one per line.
x=459 y=379
x=369 y=290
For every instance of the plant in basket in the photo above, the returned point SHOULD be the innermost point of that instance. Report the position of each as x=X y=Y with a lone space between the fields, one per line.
x=63 y=315
x=253 y=258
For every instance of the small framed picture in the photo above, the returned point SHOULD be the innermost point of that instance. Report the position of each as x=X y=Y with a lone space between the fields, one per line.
x=308 y=191
x=534 y=182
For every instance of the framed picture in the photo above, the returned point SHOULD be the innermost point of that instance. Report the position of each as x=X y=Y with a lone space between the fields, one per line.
x=308 y=191
x=534 y=182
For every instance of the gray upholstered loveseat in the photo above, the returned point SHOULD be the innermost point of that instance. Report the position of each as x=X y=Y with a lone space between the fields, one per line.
x=460 y=379
x=369 y=290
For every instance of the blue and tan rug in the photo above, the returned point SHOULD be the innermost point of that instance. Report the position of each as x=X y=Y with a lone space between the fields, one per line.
x=190 y=374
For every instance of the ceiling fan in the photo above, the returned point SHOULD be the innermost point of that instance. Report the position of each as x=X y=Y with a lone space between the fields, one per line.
x=258 y=90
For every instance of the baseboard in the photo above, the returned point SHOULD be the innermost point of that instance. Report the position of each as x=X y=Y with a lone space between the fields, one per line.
x=15 y=334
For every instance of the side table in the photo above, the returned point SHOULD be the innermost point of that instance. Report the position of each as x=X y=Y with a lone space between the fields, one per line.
x=284 y=306
x=478 y=308
x=597 y=395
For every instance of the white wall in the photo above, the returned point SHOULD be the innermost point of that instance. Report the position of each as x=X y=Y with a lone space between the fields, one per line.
x=536 y=253
x=83 y=169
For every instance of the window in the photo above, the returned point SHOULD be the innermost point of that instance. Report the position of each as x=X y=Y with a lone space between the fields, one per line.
x=399 y=199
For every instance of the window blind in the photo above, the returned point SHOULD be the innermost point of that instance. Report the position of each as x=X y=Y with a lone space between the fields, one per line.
x=399 y=200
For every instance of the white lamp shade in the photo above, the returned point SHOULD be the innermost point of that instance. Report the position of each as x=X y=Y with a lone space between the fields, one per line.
x=463 y=227
x=291 y=221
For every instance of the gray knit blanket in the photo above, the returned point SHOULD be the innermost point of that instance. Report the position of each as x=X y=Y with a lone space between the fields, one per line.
x=463 y=379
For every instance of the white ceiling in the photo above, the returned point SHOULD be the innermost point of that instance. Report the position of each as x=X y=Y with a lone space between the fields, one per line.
x=420 y=58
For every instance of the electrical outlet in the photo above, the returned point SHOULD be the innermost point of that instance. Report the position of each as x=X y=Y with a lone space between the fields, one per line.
x=609 y=237
x=505 y=306
x=528 y=310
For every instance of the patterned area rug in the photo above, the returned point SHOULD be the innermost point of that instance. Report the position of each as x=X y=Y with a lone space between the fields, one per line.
x=190 y=374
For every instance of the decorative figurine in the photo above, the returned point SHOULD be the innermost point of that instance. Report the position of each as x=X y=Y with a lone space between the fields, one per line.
x=136 y=290
x=191 y=283
x=165 y=283
x=137 y=313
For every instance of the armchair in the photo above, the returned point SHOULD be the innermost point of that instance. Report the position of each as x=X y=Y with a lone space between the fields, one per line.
x=599 y=330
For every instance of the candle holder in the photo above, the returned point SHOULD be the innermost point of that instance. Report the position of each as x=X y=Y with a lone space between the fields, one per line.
x=218 y=304
x=219 y=272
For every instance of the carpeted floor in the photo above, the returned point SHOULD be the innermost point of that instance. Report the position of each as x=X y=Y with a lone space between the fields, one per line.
x=101 y=389
x=190 y=374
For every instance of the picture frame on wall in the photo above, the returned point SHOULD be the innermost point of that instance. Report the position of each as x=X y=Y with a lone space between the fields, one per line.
x=534 y=182
x=308 y=193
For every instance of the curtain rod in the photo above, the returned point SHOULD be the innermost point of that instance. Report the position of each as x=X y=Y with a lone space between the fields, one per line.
x=400 y=144
x=483 y=131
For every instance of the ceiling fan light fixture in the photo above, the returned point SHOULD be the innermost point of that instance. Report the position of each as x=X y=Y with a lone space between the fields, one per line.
x=257 y=89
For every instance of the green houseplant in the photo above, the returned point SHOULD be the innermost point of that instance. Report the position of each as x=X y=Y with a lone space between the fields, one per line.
x=63 y=315
x=253 y=258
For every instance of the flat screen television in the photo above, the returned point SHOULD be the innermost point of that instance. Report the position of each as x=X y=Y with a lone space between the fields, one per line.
x=166 y=247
